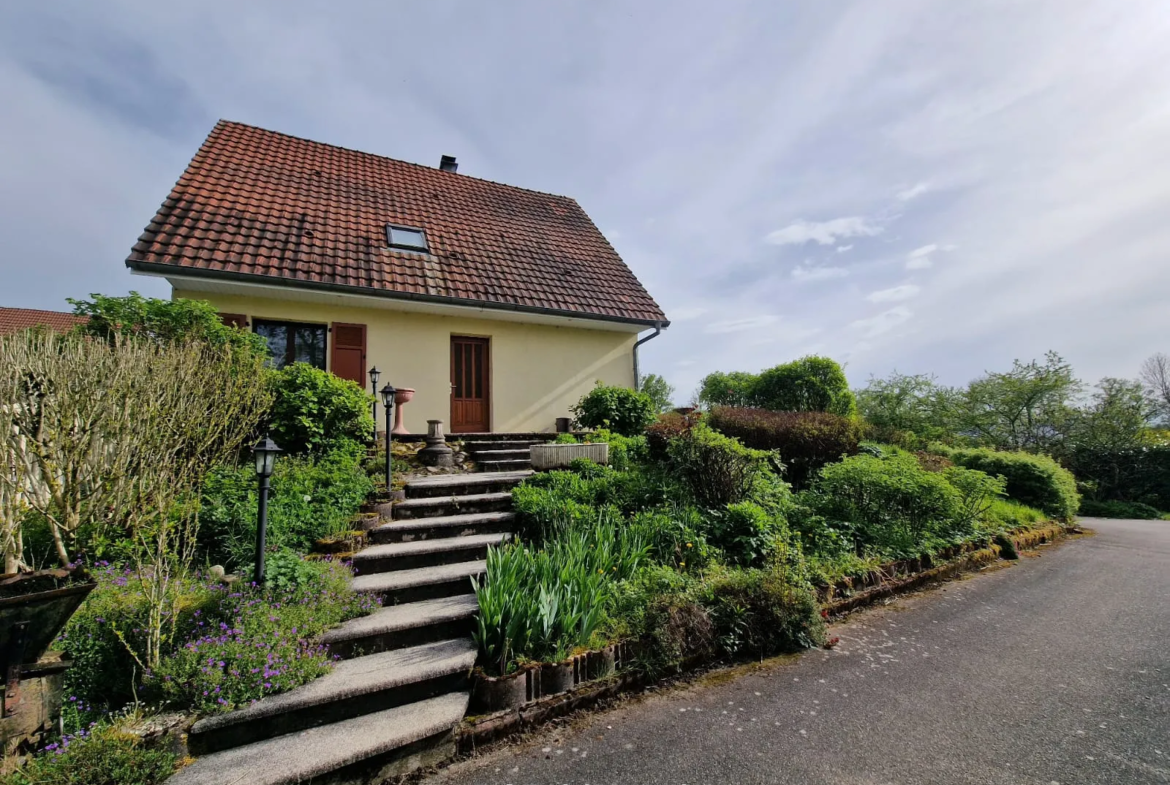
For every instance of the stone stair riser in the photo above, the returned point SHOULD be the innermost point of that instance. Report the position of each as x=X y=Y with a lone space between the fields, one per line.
x=378 y=642
x=431 y=591
x=327 y=714
x=457 y=506
x=474 y=447
x=427 y=492
x=504 y=466
x=391 y=534
x=410 y=561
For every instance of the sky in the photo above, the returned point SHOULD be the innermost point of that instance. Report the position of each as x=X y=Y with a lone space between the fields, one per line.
x=919 y=185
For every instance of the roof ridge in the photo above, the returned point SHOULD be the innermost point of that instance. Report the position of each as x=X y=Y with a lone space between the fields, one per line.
x=343 y=148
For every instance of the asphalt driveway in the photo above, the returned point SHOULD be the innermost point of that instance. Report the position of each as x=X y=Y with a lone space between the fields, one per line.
x=1055 y=669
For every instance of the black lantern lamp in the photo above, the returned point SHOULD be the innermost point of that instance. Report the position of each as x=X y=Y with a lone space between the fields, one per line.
x=265 y=452
x=374 y=374
x=388 y=405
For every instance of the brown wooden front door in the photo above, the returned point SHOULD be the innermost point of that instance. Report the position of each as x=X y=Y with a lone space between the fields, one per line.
x=470 y=385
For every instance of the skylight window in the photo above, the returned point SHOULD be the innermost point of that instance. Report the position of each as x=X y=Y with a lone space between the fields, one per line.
x=406 y=237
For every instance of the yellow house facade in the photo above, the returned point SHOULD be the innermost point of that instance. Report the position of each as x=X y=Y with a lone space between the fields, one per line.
x=537 y=366
x=498 y=306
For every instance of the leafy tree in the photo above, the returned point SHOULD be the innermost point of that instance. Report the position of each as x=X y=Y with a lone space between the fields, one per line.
x=727 y=389
x=1026 y=408
x=660 y=392
x=918 y=404
x=810 y=384
x=163 y=321
x=1155 y=378
x=315 y=411
x=1116 y=417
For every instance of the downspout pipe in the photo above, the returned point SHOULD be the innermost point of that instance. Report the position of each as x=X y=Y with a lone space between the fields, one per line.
x=637 y=375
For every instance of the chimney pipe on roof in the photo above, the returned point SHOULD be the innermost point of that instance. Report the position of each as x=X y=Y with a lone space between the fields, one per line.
x=447 y=164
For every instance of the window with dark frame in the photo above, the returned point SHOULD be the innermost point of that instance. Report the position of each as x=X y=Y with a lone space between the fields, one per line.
x=293 y=342
x=407 y=237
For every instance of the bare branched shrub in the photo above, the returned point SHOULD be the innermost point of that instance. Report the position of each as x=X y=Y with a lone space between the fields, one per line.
x=119 y=437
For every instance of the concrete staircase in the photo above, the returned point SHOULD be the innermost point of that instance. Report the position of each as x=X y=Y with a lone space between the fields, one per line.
x=391 y=704
x=502 y=452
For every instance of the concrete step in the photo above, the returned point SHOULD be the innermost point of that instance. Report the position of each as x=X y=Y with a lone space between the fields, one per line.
x=502 y=455
x=504 y=466
x=399 y=626
x=392 y=556
x=475 y=448
x=463 y=484
x=443 y=526
x=501 y=437
x=425 y=583
x=394 y=741
x=363 y=685
x=437 y=506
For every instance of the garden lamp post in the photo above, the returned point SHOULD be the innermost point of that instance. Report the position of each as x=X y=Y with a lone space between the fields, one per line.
x=374 y=374
x=388 y=404
x=265 y=452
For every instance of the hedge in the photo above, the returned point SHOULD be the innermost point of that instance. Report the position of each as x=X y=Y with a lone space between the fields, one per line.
x=1035 y=480
x=806 y=441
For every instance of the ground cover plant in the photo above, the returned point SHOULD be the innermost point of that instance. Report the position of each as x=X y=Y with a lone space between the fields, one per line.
x=105 y=754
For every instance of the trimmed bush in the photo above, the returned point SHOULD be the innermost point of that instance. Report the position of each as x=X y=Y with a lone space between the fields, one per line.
x=717 y=469
x=806 y=441
x=315 y=411
x=746 y=533
x=1035 y=480
x=667 y=427
x=894 y=507
x=619 y=409
x=1124 y=510
x=311 y=497
x=761 y=613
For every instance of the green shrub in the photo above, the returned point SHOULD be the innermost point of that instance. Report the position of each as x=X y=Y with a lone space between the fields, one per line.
x=163 y=321
x=1035 y=480
x=1005 y=514
x=760 y=612
x=1134 y=474
x=624 y=451
x=806 y=441
x=106 y=754
x=622 y=410
x=258 y=642
x=717 y=469
x=659 y=607
x=311 y=497
x=676 y=536
x=315 y=411
x=728 y=389
x=810 y=384
x=665 y=429
x=746 y=533
x=1125 y=510
x=893 y=506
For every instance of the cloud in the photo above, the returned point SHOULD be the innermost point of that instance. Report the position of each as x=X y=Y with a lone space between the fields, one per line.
x=896 y=294
x=811 y=272
x=844 y=248
x=740 y=325
x=823 y=233
x=916 y=190
x=919 y=258
x=883 y=322
x=687 y=313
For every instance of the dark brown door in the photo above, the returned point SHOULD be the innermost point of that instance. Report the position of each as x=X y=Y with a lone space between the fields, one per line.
x=348 y=359
x=470 y=388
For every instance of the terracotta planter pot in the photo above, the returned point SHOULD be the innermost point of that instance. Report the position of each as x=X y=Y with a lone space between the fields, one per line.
x=403 y=395
x=497 y=693
x=346 y=543
x=556 y=677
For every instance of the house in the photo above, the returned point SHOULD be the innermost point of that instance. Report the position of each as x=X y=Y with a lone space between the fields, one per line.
x=498 y=305
x=14 y=319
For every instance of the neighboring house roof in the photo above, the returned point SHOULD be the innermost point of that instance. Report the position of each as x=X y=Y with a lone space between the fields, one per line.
x=13 y=319
x=262 y=206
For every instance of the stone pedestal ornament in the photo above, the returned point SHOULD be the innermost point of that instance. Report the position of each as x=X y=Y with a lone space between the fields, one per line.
x=401 y=398
x=436 y=453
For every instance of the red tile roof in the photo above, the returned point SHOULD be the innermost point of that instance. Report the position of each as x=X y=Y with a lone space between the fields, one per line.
x=258 y=203
x=13 y=319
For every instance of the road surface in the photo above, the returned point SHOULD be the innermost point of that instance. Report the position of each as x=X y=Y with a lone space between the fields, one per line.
x=1053 y=670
